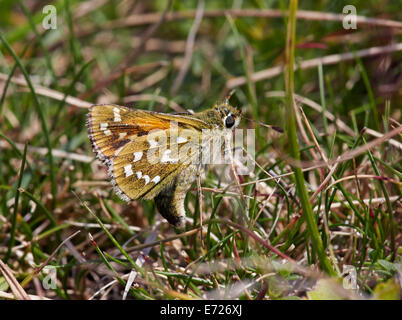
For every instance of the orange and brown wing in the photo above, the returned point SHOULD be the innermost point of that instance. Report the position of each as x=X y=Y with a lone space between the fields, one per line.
x=110 y=127
x=123 y=138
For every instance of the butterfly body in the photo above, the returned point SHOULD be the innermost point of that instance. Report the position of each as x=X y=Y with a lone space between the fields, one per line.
x=153 y=155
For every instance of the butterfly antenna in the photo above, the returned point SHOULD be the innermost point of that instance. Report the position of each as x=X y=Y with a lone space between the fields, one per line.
x=276 y=128
x=229 y=96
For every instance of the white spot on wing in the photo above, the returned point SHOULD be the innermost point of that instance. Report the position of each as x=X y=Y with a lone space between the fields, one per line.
x=137 y=156
x=146 y=178
x=116 y=113
x=139 y=174
x=156 y=179
x=122 y=135
x=128 y=171
x=103 y=127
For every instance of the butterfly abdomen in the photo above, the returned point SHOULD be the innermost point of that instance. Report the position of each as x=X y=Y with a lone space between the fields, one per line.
x=170 y=201
x=170 y=204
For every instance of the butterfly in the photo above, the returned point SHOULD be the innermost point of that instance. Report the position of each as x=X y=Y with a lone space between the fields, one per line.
x=152 y=155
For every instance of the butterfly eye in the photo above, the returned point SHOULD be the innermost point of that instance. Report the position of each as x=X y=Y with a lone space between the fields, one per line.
x=229 y=121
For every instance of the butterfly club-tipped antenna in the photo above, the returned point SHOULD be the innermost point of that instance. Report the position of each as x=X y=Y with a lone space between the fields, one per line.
x=276 y=128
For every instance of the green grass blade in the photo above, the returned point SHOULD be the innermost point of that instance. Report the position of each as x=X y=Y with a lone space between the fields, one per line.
x=41 y=117
x=16 y=201
x=294 y=145
x=112 y=238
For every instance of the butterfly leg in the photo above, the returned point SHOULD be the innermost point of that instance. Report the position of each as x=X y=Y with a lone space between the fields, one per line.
x=200 y=202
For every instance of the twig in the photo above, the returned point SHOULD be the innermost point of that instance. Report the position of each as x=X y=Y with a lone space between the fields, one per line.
x=376 y=134
x=312 y=63
x=158 y=242
x=141 y=19
x=259 y=240
x=339 y=123
x=302 y=131
x=55 y=152
x=323 y=156
x=348 y=155
x=15 y=287
x=43 y=91
x=314 y=105
x=364 y=176
x=50 y=93
x=150 y=80
x=115 y=74
x=365 y=201
x=189 y=48
x=96 y=226
x=150 y=97
x=44 y=264
x=10 y=296
x=324 y=182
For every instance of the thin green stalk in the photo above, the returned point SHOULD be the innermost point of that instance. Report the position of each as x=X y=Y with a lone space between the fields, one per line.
x=13 y=145
x=294 y=145
x=121 y=262
x=340 y=173
x=165 y=265
x=373 y=107
x=39 y=37
x=3 y=96
x=67 y=93
x=209 y=252
x=390 y=168
x=41 y=117
x=118 y=218
x=112 y=238
x=110 y=267
x=388 y=202
x=251 y=92
x=19 y=31
x=16 y=200
x=198 y=281
x=40 y=205
x=75 y=52
x=52 y=230
x=323 y=104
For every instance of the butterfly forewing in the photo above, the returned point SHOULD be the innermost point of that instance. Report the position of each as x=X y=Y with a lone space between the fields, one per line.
x=111 y=127
x=144 y=151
